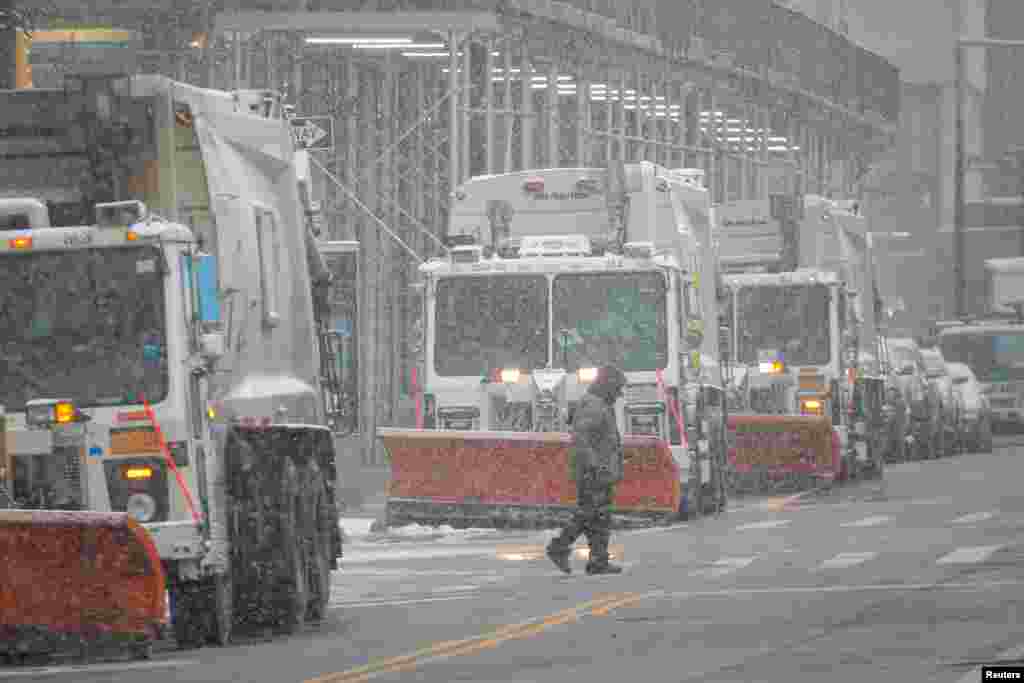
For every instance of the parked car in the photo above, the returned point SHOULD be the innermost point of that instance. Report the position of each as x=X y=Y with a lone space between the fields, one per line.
x=975 y=410
x=895 y=409
x=869 y=437
x=926 y=427
x=938 y=377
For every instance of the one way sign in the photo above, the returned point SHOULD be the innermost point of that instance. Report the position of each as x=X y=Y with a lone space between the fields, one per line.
x=313 y=132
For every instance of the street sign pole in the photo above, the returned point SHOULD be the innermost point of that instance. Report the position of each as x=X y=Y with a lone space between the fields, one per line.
x=958 y=184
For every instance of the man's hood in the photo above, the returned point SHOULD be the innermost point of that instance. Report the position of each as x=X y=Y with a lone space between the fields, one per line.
x=609 y=383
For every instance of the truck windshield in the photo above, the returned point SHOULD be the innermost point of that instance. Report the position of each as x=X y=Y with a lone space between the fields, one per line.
x=87 y=325
x=993 y=356
x=790 y=321
x=610 y=318
x=486 y=323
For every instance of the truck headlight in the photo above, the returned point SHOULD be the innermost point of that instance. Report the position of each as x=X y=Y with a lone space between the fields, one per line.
x=45 y=413
x=510 y=375
x=811 y=406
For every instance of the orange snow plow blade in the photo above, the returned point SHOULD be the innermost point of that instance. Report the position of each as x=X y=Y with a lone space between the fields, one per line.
x=769 y=453
x=513 y=479
x=77 y=580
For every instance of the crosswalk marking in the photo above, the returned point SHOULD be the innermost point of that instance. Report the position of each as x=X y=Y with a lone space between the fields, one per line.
x=969 y=555
x=844 y=560
x=724 y=566
x=867 y=521
x=973 y=518
x=770 y=524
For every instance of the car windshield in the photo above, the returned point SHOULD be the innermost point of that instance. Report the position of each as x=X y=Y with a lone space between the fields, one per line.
x=934 y=364
x=903 y=356
x=991 y=355
x=85 y=324
x=611 y=318
x=790 y=321
x=486 y=323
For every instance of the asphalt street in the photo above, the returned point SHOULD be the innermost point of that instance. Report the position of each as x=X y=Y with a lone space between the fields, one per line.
x=917 y=578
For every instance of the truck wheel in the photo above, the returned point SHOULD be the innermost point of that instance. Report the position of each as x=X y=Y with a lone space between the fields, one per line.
x=322 y=589
x=223 y=599
x=191 y=616
x=297 y=597
x=986 y=438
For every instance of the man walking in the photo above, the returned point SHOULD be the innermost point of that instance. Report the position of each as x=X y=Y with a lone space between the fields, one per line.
x=597 y=466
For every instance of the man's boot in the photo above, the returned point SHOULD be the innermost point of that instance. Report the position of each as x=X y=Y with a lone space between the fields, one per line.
x=560 y=556
x=598 y=563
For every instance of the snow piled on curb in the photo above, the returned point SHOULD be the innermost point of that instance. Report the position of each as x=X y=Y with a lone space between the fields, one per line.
x=357 y=529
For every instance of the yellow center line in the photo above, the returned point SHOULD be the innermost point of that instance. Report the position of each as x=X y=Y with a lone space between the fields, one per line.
x=607 y=607
x=455 y=648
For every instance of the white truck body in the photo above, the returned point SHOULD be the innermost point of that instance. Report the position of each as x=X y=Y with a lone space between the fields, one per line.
x=555 y=218
x=824 y=249
x=225 y=177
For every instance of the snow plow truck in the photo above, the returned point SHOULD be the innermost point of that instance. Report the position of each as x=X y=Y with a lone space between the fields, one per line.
x=553 y=273
x=801 y=309
x=166 y=445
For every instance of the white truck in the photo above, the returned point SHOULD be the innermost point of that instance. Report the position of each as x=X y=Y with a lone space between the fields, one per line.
x=180 y=343
x=555 y=272
x=992 y=344
x=801 y=308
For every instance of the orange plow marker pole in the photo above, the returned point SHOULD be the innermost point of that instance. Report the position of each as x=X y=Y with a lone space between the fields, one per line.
x=170 y=461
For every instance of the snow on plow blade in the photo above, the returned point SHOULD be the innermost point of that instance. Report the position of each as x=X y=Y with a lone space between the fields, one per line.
x=514 y=479
x=78 y=581
x=771 y=453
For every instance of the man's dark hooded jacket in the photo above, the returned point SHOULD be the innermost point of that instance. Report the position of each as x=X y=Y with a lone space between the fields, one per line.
x=598 y=444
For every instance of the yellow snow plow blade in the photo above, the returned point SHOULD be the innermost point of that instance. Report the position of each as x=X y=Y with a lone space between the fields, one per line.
x=77 y=580
x=514 y=479
x=774 y=452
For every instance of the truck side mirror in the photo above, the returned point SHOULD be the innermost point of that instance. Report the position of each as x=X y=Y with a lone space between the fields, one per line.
x=201 y=276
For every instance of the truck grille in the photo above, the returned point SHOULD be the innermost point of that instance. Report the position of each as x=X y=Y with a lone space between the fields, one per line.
x=640 y=393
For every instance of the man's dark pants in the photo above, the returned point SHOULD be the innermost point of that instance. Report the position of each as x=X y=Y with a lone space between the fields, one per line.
x=592 y=518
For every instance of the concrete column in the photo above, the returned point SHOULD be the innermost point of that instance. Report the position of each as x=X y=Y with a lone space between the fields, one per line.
x=489 y=140
x=526 y=137
x=419 y=161
x=466 y=122
x=794 y=178
x=583 y=121
x=453 y=111
x=352 y=148
x=711 y=166
x=552 y=118
x=765 y=124
x=371 y=250
x=744 y=155
x=623 y=121
x=509 y=119
x=391 y=290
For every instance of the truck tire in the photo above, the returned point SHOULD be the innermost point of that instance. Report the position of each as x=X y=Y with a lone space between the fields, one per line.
x=195 y=617
x=223 y=598
x=986 y=445
x=321 y=585
x=296 y=600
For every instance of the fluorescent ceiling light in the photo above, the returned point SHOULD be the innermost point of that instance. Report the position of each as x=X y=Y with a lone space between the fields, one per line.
x=426 y=54
x=358 y=41
x=404 y=46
